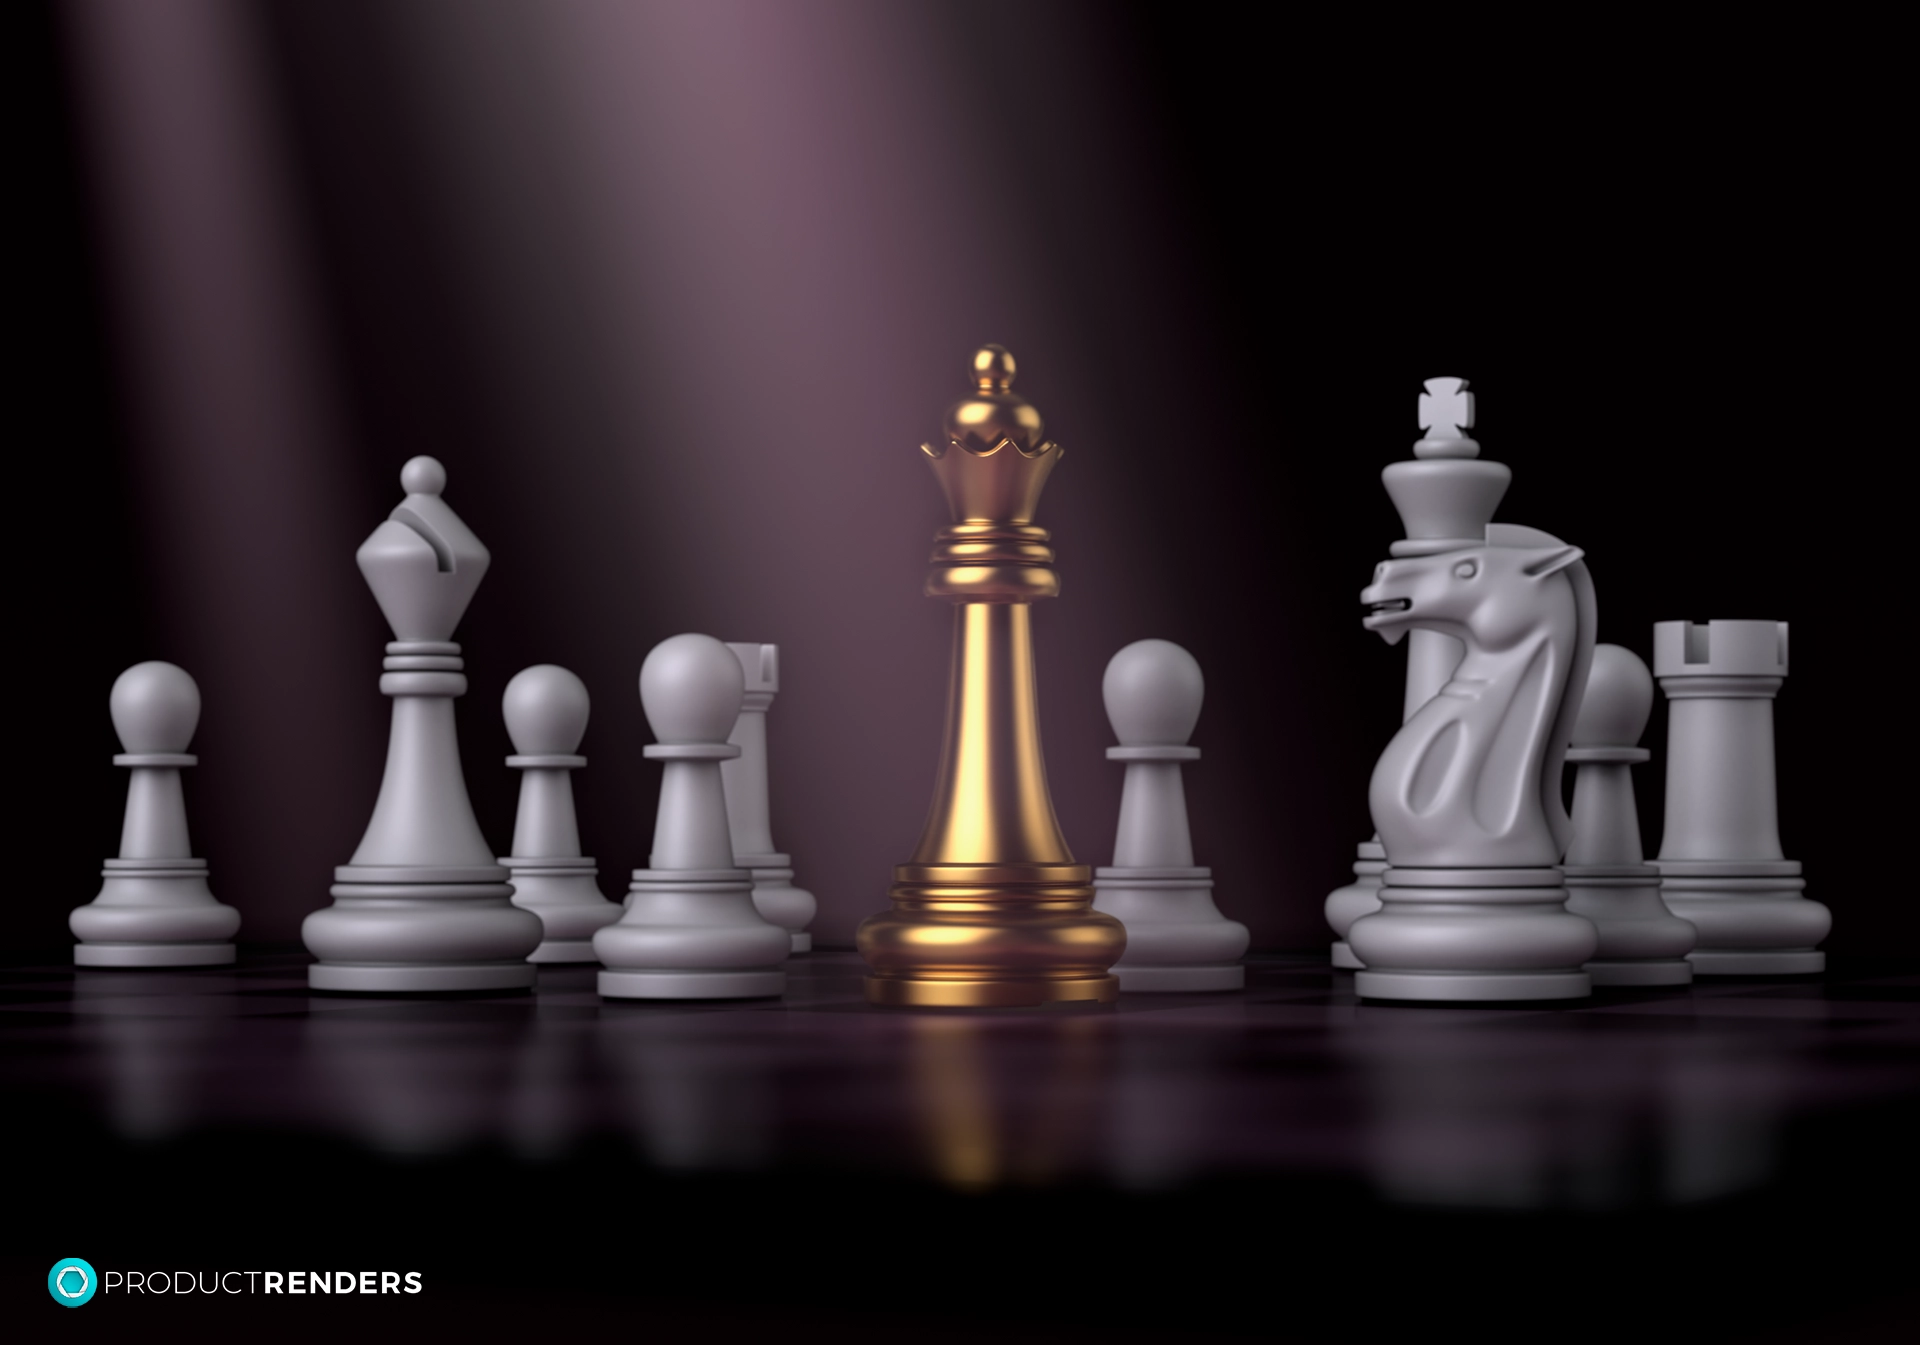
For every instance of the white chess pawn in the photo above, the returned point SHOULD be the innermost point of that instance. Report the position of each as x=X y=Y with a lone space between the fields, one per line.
x=690 y=929
x=1176 y=937
x=1608 y=878
x=546 y=712
x=1721 y=865
x=423 y=906
x=154 y=909
x=748 y=814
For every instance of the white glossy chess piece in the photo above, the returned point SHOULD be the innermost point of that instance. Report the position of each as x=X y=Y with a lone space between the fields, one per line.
x=1445 y=496
x=154 y=907
x=1608 y=879
x=690 y=929
x=1467 y=795
x=748 y=813
x=546 y=707
x=1176 y=937
x=1721 y=865
x=423 y=905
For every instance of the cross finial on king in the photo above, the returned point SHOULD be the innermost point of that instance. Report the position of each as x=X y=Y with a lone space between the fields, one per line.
x=1446 y=414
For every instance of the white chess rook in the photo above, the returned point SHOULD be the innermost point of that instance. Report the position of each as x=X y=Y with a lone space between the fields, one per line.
x=422 y=906
x=690 y=929
x=1608 y=879
x=748 y=812
x=1720 y=863
x=546 y=708
x=154 y=907
x=1445 y=496
x=1176 y=937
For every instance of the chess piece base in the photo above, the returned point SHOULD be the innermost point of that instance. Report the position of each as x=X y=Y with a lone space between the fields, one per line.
x=1752 y=962
x=1343 y=958
x=956 y=992
x=419 y=979
x=153 y=954
x=803 y=942
x=1151 y=980
x=1472 y=986
x=564 y=950
x=1649 y=971
x=692 y=984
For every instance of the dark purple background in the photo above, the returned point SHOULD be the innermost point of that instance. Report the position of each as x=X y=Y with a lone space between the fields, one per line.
x=674 y=290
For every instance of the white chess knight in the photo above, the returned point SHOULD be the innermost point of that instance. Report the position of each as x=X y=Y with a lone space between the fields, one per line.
x=1176 y=937
x=690 y=929
x=154 y=907
x=748 y=812
x=423 y=905
x=546 y=709
x=1467 y=795
x=1608 y=878
x=1445 y=496
x=1721 y=864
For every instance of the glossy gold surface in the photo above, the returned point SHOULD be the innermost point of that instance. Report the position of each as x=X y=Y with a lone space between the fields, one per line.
x=992 y=911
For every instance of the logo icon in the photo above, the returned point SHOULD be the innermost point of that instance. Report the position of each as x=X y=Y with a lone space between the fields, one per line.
x=71 y=1282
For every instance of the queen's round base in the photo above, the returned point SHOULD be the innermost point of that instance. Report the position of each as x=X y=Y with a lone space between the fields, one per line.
x=152 y=954
x=1472 y=987
x=421 y=978
x=1343 y=958
x=929 y=992
x=692 y=984
x=564 y=950
x=1757 y=962
x=803 y=942
x=1641 y=971
x=1151 y=980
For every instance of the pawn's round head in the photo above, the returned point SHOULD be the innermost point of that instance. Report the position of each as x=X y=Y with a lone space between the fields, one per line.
x=546 y=711
x=423 y=476
x=156 y=708
x=691 y=687
x=1153 y=690
x=1618 y=702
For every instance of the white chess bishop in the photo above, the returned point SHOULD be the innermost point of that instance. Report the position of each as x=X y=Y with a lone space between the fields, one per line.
x=545 y=708
x=1176 y=937
x=690 y=929
x=423 y=906
x=1721 y=864
x=1445 y=495
x=154 y=907
x=749 y=814
x=1608 y=879
x=1467 y=795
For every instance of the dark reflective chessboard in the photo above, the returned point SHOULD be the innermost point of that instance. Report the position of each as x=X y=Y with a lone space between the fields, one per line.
x=1737 y=1158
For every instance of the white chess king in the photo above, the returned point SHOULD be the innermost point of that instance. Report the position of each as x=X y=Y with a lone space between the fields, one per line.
x=423 y=905
x=1467 y=795
x=154 y=907
x=1176 y=937
x=1445 y=496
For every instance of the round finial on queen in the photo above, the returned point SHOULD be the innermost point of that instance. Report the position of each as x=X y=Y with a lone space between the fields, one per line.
x=1618 y=702
x=1153 y=690
x=691 y=687
x=545 y=707
x=993 y=368
x=156 y=707
x=423 y=476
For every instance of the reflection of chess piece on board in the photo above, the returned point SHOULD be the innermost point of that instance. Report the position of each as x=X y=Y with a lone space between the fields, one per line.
x=1444 y=495
x=1467 y=795
x=423 y=905
x=1721 y=865
x=154 y=909
x=546 y=712
x=690 y=929
x=748 y=812
x=1176 y=937
x=991 y=910
x=1608 y=879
